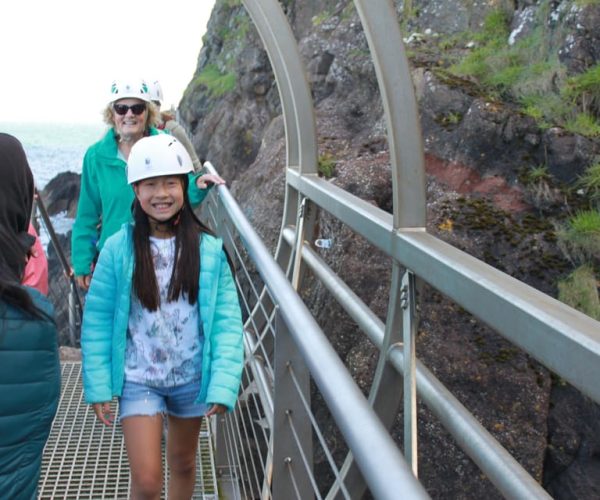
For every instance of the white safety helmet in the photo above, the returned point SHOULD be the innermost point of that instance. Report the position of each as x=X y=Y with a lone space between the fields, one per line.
x=156 y=93
x=134 y=88
x=156 y=155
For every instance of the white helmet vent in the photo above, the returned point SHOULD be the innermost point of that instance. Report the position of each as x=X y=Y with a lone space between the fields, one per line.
x=121 y=89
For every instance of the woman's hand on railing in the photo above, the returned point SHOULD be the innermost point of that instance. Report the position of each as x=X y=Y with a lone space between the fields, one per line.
x=84 y=281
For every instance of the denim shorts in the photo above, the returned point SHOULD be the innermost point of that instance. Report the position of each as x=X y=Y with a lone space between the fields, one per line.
x=141 y=400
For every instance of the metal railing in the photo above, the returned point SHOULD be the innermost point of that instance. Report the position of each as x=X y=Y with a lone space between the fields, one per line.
x=266 y=444
x=266 y=447
x=274 y=432
x=61 y=285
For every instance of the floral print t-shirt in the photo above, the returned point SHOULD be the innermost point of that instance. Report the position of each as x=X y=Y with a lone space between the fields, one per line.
x=164 y=347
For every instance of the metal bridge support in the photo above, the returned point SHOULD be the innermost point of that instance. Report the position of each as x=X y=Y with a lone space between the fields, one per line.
x=382 y=30
x=505 y=304
x=292 y=433
x=409 y=327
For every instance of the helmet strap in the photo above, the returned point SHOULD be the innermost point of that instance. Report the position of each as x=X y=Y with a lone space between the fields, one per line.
x=166 y=226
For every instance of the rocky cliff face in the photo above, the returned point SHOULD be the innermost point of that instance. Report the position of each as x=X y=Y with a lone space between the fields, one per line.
x=477 y=147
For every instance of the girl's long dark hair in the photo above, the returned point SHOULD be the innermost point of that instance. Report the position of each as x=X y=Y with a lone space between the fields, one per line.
x=186 y=266
x=12 y=265
x=16 y=198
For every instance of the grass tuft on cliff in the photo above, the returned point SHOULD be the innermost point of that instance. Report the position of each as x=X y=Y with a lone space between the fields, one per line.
x=590 y=183
x=579 y=239
x=216 y=83
x=529 y=72
x=580 y=291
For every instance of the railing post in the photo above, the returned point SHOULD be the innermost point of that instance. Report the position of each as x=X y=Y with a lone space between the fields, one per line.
x=226 y=471
x=297 y=261
x=73 y=316
x=291 y=427
x=407 y=302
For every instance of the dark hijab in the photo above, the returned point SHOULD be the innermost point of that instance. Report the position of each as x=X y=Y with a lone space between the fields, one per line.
x=16 y=190
x=16 y=199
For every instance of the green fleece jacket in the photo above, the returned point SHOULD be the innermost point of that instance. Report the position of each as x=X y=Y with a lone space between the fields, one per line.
x=106 y=198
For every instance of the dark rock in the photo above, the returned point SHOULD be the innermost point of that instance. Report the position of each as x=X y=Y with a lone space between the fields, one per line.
x=581 y=48
x=572 y=465
x=229 y=134
x=254 y=72
x=61 y=194
x=568 y=154
x=59 y=288
x=451 y=16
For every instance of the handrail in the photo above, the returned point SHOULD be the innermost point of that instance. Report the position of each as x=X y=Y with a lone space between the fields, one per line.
x=386 y=472
x=501 y=468
x=561 y=338
x=499 y=465
x=75 y=303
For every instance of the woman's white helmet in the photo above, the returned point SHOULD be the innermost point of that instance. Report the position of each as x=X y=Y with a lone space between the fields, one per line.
x=156 y=93
x=133 y=88
x=156 y=155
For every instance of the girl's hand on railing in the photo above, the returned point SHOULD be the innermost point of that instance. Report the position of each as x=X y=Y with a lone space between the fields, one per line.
x=204 y=180
x=103 y=412
x=216 y=409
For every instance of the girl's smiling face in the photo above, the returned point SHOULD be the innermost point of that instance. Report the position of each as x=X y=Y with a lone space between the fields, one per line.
x=161 y=197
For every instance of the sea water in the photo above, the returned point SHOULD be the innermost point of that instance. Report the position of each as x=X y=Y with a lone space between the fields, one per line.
x=53 y=148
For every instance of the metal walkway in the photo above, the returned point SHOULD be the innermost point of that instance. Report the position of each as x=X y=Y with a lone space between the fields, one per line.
x=292 y=434
x=84 y=459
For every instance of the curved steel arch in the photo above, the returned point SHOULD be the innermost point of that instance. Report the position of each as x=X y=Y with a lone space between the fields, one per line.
x=524 y=316
x=382 y=30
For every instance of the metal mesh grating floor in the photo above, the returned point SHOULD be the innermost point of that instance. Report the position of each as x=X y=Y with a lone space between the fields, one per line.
x=84 y=459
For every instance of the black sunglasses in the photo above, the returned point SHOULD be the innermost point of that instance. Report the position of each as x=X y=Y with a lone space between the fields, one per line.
x=136 y=109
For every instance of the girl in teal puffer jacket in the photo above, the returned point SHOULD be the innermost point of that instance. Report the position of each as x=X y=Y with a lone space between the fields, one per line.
x=162 y=326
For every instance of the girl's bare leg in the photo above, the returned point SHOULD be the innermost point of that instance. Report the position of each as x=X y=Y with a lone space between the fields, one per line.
x=143 y=442
x=182 y=445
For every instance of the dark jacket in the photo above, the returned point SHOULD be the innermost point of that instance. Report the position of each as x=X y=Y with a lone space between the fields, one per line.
x=29 y=393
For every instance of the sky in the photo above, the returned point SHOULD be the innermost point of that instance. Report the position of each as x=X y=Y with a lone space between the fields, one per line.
x=59 y=57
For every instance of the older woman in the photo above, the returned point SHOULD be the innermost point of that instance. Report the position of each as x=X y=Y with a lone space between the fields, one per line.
x=29 y=361
x=105 y=198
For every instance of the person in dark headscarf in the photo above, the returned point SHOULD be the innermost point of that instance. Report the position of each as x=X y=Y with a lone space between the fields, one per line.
x=28 y=337
x=16 y=193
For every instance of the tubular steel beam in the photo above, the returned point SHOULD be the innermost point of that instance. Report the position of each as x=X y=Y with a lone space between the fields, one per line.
x=409 y=349
x=386 y=473
x=561 y=338
x=385 y=396
x=296 y=101
x=511 y=479
x=499 y=466
x=380 y=23
x=289 y=476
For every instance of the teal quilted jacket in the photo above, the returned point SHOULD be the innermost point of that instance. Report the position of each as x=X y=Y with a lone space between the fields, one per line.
x=106 y=316
x=29 y=393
